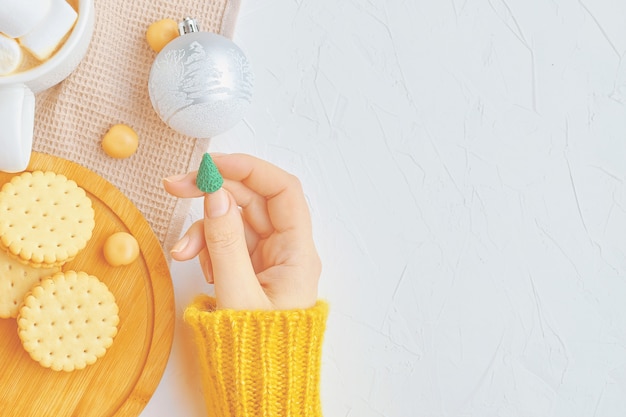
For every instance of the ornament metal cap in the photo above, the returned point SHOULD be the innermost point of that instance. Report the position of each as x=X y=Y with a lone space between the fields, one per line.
x=188 y=25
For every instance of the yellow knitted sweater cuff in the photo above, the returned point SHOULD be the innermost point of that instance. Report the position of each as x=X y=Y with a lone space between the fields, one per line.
x=259 y=363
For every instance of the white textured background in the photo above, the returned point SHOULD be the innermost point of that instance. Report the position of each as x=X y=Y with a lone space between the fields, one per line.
x=465 y=163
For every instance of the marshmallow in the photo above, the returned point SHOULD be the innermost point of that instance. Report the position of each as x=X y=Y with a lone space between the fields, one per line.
x=18 y=17
x=46 y=37
x=10 y=55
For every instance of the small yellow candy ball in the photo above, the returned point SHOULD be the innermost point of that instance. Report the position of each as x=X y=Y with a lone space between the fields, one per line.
x=121 y=248
x=161 y=33
x=120 y=141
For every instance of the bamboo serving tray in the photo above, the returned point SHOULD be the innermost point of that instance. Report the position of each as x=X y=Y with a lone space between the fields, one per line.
x=120 y=383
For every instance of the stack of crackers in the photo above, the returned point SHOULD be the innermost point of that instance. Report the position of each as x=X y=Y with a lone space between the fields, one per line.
x=66 y=319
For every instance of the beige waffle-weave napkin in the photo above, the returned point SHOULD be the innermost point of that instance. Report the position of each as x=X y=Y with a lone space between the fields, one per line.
x=109 y=87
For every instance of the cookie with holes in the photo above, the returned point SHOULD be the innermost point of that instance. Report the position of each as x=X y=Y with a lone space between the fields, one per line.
x=16 y=279
x=68 y=321
x=45 y=219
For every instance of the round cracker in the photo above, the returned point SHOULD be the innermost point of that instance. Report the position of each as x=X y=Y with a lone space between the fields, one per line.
x=16 y=279
x=45 y=218
x=68 y=321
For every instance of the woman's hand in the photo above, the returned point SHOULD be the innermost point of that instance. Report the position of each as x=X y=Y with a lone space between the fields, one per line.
x=255 y=242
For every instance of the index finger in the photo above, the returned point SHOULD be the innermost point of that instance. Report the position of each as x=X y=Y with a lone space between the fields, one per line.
x=286 y=204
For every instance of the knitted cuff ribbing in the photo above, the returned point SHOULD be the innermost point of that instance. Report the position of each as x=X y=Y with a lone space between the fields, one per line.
x=259 y=363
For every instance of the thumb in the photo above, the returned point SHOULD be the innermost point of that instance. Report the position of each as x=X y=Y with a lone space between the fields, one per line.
x=236 y=284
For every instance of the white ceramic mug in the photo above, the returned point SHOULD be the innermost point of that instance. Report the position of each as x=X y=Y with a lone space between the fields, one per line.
x=17 y=91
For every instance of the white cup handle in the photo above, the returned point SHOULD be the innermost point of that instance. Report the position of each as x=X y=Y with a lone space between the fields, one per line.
x=17 y=122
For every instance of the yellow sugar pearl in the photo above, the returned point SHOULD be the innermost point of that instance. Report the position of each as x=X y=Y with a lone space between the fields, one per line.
x=121 y=248
x=120 y=141
x=161 y=33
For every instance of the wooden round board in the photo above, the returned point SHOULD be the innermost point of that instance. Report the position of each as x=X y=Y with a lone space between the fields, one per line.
x=120 y=383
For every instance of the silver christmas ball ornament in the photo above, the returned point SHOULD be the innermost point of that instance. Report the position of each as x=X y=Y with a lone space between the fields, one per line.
x=200 y=83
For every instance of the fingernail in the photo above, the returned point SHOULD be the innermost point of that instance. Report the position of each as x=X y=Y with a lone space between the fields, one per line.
x=216 y=204
x=175 y=178
x=180 y=245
